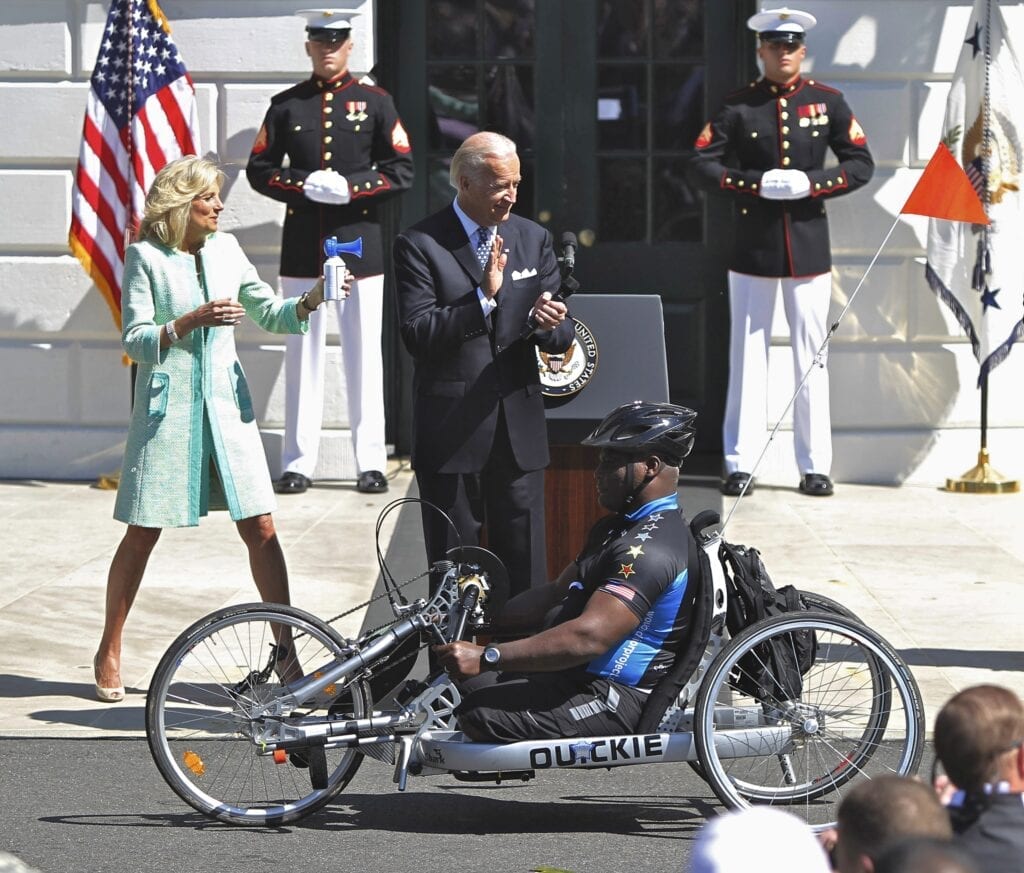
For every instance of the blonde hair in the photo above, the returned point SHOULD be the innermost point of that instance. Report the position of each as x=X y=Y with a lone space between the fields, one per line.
x=471 y=157
x=169 y=201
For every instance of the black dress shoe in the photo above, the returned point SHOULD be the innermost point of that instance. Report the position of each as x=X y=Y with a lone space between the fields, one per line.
x=372 y=482
x=816 y=484
x=733 y=486
x=292 y=483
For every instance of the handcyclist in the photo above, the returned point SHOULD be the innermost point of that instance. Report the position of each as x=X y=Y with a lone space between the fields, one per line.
x=615 y=617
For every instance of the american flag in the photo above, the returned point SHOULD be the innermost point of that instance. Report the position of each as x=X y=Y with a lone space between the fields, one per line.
x=141 y=113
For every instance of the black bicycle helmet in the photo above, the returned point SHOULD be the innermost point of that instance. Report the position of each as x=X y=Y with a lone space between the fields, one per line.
x=662 y=429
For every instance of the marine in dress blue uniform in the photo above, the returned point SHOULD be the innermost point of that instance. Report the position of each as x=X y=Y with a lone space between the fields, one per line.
x=766 y=150
x=332 y=148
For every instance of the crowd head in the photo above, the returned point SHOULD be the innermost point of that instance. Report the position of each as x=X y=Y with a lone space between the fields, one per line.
x=925 y=855
x=978 y=737
x=760 y=838
x=879 y=812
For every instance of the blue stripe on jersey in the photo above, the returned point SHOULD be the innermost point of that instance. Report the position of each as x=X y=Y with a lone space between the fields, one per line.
x=669 y=501
x=628 y=661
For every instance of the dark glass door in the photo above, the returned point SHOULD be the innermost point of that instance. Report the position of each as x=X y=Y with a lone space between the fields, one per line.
x=602 y=98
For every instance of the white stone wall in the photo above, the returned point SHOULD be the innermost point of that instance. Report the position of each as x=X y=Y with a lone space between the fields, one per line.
x=64 y=392
x=904 y=401
x=905 y=406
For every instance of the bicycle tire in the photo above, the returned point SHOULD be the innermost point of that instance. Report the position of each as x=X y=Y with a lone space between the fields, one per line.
x=815 y=603
x=201 y=737
x=858 y=715
x=820 y=603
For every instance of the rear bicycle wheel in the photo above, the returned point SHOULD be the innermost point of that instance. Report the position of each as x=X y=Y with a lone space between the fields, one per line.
x=815 y=603
x=203 y=735
x=857 y=715
x=820 y=603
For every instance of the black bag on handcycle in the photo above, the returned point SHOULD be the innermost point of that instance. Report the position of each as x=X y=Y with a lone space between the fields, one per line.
x=774 y=669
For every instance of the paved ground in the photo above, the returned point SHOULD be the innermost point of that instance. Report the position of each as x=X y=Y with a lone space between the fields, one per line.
x=940 y=575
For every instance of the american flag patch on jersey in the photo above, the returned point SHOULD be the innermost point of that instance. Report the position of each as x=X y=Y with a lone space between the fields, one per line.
x=619 y=590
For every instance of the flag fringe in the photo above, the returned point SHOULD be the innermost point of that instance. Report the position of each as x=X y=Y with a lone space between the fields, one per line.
x=99 y=280
x=1000 y=353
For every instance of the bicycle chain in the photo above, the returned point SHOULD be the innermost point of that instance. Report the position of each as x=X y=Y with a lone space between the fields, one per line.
x=398 y=587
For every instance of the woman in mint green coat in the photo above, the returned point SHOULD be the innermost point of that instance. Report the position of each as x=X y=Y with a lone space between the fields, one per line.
x=193 y=443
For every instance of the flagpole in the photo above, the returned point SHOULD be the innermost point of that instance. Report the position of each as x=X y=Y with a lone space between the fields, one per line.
x=817 y=362
x=982 y=478
x=111 y=481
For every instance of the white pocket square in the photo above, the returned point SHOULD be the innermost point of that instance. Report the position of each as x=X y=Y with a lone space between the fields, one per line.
x=523 y=274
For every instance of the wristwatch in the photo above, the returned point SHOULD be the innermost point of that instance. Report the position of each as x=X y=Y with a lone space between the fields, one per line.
x=491 y=658
x=304 y=301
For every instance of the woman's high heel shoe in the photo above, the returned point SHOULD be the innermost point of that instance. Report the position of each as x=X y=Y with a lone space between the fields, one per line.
x=107 y=695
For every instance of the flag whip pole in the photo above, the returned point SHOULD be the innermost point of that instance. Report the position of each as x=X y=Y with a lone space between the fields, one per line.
x=817 y=362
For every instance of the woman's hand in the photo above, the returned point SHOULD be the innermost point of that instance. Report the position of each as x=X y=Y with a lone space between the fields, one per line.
x=315 y=296
x=218 y=313
x=309 y=302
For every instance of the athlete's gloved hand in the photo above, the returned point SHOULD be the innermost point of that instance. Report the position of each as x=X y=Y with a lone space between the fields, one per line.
x=785 y=185
x=326 y=186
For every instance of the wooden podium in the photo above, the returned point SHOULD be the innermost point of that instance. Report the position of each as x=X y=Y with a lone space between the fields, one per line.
x=628 y=331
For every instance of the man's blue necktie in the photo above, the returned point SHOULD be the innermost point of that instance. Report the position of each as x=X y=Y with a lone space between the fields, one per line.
x=483 y=245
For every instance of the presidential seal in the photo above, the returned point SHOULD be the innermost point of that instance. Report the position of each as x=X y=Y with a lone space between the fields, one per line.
x=569 y=372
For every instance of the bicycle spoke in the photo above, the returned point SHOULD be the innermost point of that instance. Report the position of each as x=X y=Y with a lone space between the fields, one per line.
x=857 y=715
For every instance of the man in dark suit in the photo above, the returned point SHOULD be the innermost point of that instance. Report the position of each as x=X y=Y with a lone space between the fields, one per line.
x=469 y=278
x=766 y=151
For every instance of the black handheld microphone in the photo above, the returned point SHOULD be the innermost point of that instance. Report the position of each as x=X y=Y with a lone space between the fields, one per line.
x=568 y=287
x=568 y=252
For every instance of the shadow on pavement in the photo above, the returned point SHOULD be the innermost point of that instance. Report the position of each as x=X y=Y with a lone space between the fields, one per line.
x=985 y=659
x=465 y=811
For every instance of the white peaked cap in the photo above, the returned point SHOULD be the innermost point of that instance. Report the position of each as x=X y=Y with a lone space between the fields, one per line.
x=328 y=19
x=782 y=20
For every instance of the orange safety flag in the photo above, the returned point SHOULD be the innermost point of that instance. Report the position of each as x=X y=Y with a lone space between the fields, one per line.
x=945 y=191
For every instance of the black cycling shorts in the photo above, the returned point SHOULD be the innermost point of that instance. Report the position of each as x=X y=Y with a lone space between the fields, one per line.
x=506 y=707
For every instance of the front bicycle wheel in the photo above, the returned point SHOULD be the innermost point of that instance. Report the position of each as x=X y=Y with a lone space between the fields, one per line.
x=855 y=714
x=203 y=726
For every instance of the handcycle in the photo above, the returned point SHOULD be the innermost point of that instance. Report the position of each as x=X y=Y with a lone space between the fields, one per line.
x=262 y=713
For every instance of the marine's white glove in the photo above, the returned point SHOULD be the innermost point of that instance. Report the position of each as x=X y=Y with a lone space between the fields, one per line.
x=785 y=185
x=324 y=186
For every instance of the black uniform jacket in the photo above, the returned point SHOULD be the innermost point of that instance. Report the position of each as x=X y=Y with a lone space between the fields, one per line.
x=345 y=126
x=764 y=127
x=464 y=371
